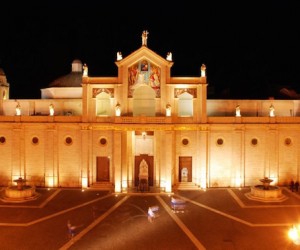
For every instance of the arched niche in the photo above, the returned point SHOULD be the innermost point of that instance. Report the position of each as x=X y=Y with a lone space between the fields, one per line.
x=185 y=105
x=103 y=107
x=144 y=101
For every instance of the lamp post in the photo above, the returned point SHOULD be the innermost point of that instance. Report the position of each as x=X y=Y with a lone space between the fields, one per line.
x=294 y=234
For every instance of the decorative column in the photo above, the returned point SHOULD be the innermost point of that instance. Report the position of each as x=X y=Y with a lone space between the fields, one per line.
x=117 y=160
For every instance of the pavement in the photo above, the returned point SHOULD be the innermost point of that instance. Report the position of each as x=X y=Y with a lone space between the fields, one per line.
x=216 y=219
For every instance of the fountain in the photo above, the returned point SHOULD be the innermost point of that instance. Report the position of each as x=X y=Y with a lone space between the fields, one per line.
x=19 y=193
x=266 y=192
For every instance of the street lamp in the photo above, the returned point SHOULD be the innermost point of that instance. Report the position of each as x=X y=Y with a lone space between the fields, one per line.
x=294 y=234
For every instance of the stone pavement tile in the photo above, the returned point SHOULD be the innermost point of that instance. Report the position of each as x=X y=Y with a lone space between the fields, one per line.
x=129 y=228
x=213 y=216
x=50 y=201
x=292 y=198
x=51 y=232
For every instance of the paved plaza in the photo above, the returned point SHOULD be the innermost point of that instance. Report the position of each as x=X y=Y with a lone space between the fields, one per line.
x=218 y=218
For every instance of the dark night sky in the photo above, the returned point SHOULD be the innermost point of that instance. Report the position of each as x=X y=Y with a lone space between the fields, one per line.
x=250 y=49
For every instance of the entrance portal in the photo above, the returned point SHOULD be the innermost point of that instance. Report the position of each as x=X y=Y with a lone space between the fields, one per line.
x=185 y=169
x=143 y=171
x=102 y=169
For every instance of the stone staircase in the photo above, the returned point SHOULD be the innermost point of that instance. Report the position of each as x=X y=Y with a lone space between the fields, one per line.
x=103 y=186
x=186 y=186
x=149 y=190
x=179 y=186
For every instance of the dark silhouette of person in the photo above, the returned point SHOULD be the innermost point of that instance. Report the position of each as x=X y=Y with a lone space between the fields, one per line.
x=292 y=185
x=296 y=186
x=71 y=229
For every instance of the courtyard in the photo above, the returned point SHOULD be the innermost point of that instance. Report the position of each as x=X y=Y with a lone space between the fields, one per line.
x=217 y=218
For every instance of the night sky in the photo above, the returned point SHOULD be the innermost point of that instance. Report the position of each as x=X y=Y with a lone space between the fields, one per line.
x=250 y=50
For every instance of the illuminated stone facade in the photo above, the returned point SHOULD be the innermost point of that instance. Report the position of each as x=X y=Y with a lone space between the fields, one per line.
x=102 y=130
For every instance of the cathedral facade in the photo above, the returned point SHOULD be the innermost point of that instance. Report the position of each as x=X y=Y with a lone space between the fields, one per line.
x=145 y=130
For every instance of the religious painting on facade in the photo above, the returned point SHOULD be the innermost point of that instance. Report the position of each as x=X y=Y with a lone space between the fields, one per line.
x=144 y=65
x=144 y=72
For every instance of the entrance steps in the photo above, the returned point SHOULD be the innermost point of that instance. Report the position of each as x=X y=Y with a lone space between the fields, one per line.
x=186 y=186
x=179 y=186
x=148 y=190
x=103 y=186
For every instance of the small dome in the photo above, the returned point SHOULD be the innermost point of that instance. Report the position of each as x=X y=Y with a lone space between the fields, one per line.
x=74 y=79
x=76 y=61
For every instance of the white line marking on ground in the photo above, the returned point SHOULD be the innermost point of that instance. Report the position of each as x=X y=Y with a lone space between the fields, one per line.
x=235 y=218
x=92 y=225
x=53 y=215
x=183 y=227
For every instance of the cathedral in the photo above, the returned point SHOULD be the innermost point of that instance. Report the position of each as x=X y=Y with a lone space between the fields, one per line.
x=144 y=130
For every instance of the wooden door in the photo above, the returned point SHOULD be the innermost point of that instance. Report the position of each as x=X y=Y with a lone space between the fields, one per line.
x=102 y=169
x=185 y=169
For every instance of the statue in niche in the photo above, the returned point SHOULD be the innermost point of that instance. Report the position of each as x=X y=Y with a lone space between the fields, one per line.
x=143 y=174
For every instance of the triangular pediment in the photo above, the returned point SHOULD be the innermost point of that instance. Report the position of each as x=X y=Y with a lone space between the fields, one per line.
x=144 y=53
x=144 y=66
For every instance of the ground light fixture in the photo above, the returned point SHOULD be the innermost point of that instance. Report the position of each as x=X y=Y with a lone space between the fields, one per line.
x=294 y=234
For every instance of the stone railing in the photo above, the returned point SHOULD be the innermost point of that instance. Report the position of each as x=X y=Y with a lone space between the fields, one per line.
x=154 y=120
